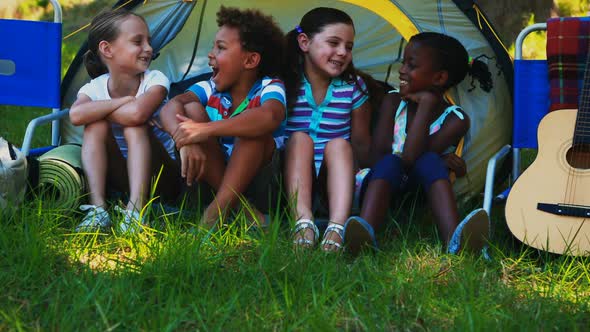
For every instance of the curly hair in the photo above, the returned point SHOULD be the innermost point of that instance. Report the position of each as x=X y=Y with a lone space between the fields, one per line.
x=258 y=33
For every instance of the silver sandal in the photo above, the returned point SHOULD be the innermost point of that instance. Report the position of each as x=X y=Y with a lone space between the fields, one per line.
x=338 y=229
x=303 y=225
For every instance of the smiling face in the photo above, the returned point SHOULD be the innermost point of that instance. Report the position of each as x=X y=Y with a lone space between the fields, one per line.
x=329 y=52
x=418 y=71
x=226 y=58
x=131 y=51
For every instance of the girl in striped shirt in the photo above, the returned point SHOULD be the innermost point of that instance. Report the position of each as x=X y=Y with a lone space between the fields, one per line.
x=327 y=123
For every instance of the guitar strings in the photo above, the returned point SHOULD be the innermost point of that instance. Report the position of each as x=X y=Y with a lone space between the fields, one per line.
x=578 y=139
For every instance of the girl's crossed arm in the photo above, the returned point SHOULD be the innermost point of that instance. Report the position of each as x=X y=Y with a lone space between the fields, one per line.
x=140 y=110
x=84 y=110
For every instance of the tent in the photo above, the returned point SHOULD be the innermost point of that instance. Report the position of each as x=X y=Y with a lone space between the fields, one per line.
x=183 y=30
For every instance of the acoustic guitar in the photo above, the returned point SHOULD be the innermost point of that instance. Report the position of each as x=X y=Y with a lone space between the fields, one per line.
x=548 y=207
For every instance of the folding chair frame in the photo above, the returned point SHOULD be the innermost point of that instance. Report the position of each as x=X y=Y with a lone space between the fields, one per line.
x=500 y=155
x=56 y=112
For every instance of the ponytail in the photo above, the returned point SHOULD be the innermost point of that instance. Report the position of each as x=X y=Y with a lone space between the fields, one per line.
x=478 y=70
x=93 y=64
x=293 y=69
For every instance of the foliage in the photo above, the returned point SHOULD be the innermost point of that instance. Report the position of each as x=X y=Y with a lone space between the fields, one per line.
x=572 y=7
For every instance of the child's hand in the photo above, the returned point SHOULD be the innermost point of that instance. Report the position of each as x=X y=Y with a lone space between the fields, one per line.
x=189 y=132
x=192 y=159
x=455 y=164
x=425 y=96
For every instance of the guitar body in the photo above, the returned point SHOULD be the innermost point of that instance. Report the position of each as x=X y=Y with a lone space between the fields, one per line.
x=552 y=179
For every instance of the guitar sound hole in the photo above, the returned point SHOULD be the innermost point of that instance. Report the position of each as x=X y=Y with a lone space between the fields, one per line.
x=578 y=156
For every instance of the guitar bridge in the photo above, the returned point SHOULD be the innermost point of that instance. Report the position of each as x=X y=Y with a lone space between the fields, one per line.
x=569 y=210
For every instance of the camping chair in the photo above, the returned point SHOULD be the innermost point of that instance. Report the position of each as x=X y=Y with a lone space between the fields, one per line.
x=541 y=86
x=30 y=77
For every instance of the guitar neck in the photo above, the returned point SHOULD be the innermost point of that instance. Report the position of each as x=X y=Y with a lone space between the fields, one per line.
x=582 y=128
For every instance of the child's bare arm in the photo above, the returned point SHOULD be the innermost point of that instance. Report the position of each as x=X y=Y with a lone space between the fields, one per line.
x=84 y=110
x=360 y=133
x=383 y=136
x=176 y=106
x=141 y=109
x=417 y=138
x=254 y=122
x=450 y=133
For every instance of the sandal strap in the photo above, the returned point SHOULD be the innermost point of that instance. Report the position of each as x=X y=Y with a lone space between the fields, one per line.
x=302 y=242
x=336 y=228
x=303 y=224
x=333 y=227
x=332 y=243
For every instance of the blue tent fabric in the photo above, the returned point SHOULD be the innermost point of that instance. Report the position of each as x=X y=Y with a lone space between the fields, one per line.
x=531 y=102
x=30 y=63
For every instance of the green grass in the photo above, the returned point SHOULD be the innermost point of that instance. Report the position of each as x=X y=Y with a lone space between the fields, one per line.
x=173 y=278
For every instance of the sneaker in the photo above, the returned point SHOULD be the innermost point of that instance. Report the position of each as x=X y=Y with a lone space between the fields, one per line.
x=96 y=219
x=472 y=233
x=358 y=234
x=132 y=223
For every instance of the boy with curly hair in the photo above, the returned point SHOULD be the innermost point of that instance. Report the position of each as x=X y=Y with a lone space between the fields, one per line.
x=223 y=127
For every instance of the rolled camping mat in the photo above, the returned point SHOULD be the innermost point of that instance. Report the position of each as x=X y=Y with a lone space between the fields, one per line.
x=60 y=170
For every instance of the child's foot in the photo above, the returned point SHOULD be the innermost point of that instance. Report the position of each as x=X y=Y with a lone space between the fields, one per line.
x=257 y=219
x=471 y=234
x=132 y=222
x=96 y=219
x=358 y=234
x=333 y=237
x=305 y=233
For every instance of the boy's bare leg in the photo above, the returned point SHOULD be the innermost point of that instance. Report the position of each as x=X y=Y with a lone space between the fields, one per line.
x=168 y=185
x=247 y=158
x=138 y=165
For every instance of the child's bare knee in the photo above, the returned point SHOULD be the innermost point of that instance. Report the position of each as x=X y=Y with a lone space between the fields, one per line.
x=338 y=145
x=196 y=112
x=135 y=133
x=299 y=138
x=97 y=129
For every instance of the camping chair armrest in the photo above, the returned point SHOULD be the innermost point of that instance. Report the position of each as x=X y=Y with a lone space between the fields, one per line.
x=490 y=175
x=26 y=147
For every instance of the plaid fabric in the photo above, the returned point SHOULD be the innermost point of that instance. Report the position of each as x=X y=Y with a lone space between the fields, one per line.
x=567 y=49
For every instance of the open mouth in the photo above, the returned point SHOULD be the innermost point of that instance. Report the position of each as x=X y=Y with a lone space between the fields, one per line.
x=215 y=72
x=145 y=59
x=336 y=63
x=403 y=82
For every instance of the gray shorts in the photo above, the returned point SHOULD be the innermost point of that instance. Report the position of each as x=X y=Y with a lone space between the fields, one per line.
x=263 y=192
